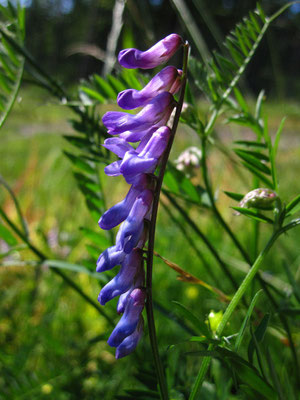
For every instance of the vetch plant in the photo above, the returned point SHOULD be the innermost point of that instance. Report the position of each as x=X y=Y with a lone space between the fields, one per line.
x=137 y=212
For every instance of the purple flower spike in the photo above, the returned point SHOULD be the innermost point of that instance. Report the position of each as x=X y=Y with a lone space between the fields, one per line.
x=124 y=279
x=110 y=258
x=167 y=79
x=136 y=163
x=158 y=54
x=117 y=122
x=132 y=228
x=130 y=342
x=129 y=320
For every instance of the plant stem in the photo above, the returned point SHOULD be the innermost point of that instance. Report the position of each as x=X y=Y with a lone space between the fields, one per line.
x=234 y=302
x=242 y=251
x=149 y=301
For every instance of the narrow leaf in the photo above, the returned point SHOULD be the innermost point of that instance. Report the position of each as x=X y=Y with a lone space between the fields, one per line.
x=246 y=319
x=7 y=236
x=252 y=214
x=259 y=335
x=253 y=161
x=195 y=321
x=79 y=163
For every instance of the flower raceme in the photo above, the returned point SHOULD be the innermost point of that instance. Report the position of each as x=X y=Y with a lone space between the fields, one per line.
x=137 y=165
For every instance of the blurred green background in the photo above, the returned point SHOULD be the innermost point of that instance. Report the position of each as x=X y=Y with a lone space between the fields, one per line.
x=52 y=344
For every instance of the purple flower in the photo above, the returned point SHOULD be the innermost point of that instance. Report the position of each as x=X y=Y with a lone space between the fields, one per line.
x=119 y=212
x=167 y=80
x=135 y=162
x=129 y=320
x=119 y=122
x=122 y=282
x=130 y=342
x=158 y=54
x=132 y=228
x=139 y=280
x=110 y=258
x=117 y=145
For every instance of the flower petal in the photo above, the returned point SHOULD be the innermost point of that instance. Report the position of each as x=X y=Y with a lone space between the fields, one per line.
x=129 y=320
x=130 y=342
x=166 y=80
x=122 y=282
x=158 y=54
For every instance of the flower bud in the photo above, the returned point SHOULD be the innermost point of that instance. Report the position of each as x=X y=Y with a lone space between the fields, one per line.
x=259 y=198
x=158 y=54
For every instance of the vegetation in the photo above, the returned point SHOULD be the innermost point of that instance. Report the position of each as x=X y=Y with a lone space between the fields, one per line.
x=214 y=340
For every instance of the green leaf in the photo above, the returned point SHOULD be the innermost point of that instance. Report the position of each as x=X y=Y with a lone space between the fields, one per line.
x=246 y=319
x=247 y=373
x=277 y=137
x=259 y=336
x=7 y=236
x=93 y=94
x=259 y=103
x=274 y=375
x=74 y=268
x=250 y=143
x=116 y=83
x=195 y=321
x=241 y=100
x=105 y=88
x=253 y=161
x=79 y=163
x=255 y=154
x=293 y=204
x=234 y=196
x=78 y=141
x=253 y=214
x=257 y=173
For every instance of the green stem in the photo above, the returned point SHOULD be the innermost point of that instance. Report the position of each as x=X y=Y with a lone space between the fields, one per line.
x=243 y=253
x=235 y=301
x=149 y=301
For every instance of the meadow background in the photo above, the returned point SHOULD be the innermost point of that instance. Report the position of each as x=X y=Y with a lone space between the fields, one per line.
x=52 y=343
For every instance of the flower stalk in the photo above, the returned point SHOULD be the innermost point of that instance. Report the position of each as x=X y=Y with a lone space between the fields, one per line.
x=152 y=226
